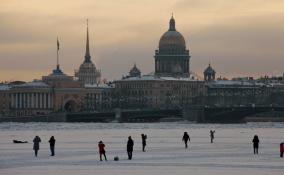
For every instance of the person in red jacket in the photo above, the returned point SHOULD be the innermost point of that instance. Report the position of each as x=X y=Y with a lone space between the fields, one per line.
x=102 y=151
x=281 y=149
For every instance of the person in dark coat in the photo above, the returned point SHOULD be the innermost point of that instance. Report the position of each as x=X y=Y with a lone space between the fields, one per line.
x=212 y=135
x=144 y=137
x=255 y=142
x=130 y=144
x=102 y=151
x=36 y=141
x=52 y=145
x=185 y=138
x=281 y=149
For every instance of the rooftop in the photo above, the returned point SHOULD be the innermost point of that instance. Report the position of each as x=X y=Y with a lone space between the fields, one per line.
x=157 y=78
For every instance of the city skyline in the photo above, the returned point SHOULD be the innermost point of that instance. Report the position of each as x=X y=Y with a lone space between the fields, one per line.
x=239 y=38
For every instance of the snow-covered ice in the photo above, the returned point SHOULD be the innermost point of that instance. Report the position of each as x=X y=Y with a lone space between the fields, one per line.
x=77 y=153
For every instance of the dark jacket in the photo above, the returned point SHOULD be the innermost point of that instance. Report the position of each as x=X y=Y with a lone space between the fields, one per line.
x=255 y=141
x=36 y=141
x=52 y=141
x=144 y=137
x=186 y=137
x=130 y=144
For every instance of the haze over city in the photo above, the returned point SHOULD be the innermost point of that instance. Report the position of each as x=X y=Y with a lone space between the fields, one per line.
x=239 y=38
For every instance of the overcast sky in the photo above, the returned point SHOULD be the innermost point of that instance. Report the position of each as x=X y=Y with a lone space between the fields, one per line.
x=238 y=37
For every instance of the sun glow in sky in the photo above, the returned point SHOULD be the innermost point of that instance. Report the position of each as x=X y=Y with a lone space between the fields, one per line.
x=239 y=38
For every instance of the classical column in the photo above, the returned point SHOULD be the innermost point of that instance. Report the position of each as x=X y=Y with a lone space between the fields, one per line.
x=24 y=100
x=40 y=100
x=12 y=100
x=51 y=101
x=28 y=100
x=36 y=100
x=32 y=100
x=31 y=97
x=48 y=100
x=16 y=100
x=20 y=100
x=44 y=100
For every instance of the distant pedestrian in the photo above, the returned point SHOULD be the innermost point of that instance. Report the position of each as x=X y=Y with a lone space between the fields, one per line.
x=102 y=151
x=212 y=135
x=130 y=144
x=185 y=138
x=255 y=142
x=52 y=145
x=36 y=141
x=281 y=149
x=144 y=137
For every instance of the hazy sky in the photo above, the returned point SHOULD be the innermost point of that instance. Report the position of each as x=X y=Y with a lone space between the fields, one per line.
x=238 y=37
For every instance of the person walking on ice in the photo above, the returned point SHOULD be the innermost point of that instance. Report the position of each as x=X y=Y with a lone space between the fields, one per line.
x=255 y=142
x=102 y=151
x=144 y=137
x=52 y=145
x=185 y=138
x=212 y=135
x=36 y=141
x=281 y=149
x=130 y=144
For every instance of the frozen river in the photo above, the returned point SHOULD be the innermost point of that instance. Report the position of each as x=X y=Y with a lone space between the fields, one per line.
x=77 y=153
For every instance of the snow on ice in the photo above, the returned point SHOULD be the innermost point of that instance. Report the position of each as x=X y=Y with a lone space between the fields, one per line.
x=76 y=151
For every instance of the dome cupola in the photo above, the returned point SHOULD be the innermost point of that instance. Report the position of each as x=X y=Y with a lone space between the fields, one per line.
x=134 y=72
x=172 y=39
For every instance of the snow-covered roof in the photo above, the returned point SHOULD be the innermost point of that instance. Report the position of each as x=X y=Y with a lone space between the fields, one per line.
x=157 y=78
x=4 y=87
x=101 y=85
x=235 y=83
x=37 y=84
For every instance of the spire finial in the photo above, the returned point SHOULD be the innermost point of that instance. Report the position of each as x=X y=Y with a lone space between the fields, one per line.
x=57 y=58
x=172 y=24
x=87 y=54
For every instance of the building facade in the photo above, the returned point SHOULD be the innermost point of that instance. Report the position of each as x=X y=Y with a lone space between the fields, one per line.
x=4 y=99
x=235 y=92
x=157 y=92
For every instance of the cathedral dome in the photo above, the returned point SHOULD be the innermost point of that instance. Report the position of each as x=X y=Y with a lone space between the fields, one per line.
x=134 y=72
x=209 y=70
x=172 y=39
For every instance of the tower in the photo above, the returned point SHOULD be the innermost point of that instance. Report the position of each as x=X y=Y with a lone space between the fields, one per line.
x=172 y=57
x=134 y=72
x=209 y=73
x=87 y=73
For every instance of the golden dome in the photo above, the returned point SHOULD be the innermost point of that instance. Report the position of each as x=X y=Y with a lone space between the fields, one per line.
x=172 y=38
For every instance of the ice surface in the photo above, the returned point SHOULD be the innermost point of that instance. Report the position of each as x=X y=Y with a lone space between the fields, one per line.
x=77 y=153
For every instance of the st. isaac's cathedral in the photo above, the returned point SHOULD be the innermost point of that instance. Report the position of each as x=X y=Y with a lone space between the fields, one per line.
x=172 y=57
x=171 y=85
